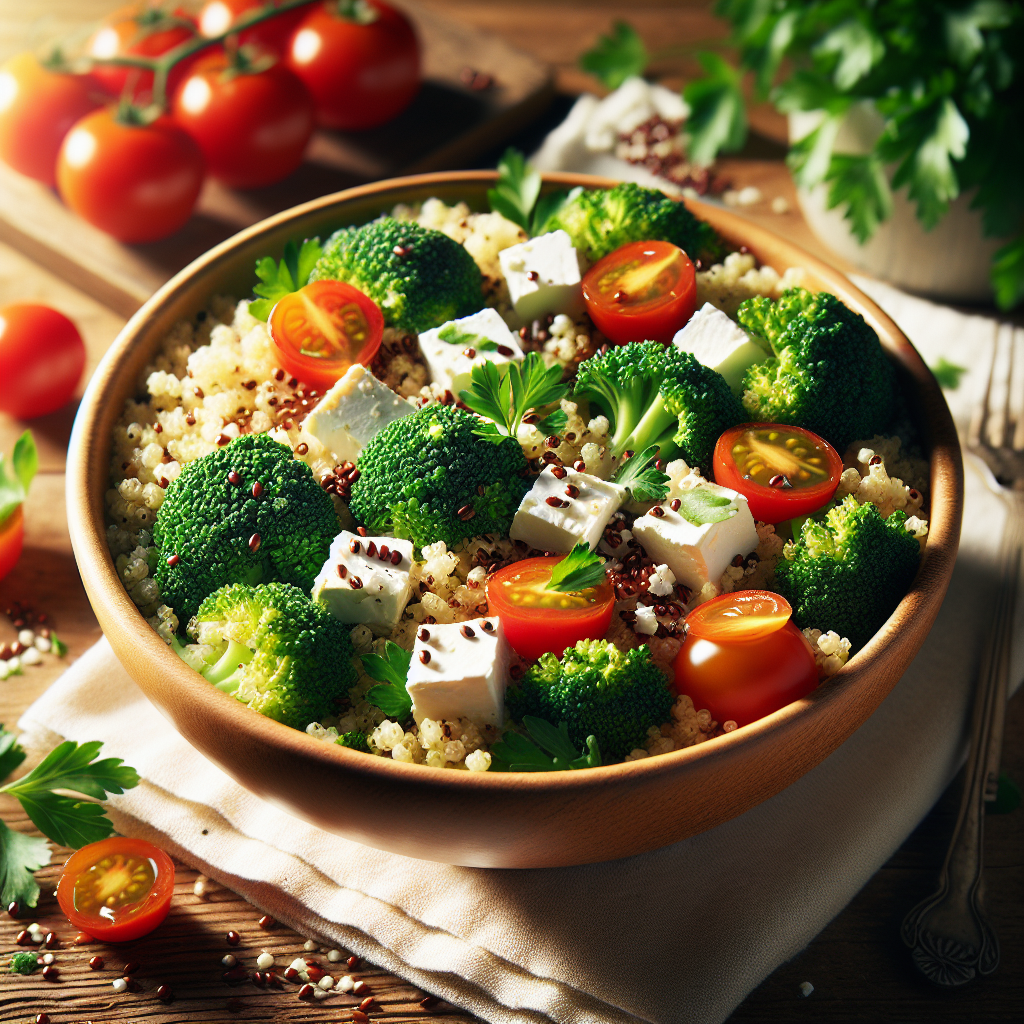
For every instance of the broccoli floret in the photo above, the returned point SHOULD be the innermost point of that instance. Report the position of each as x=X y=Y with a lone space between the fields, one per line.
x=24 y=963
x=354 y=740
x=210 y=531
x=829 y=373
x=597 y=690
x=419 y=277
x=848 y=570
x=276 y=651
x=429 y=477
x=601 y=220
x=656 y=394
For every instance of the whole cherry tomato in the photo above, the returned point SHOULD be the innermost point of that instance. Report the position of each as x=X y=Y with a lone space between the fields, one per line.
x=37 y=107
x=360 y=60
x=42 y=356
x=252 y=125
x=275 y=34
x=136 y=182
x=742 y=658
x=784 y=472
x=537 y=620
x=118 y=889
x=323 y=328
x=139 y=30
x=644 y=291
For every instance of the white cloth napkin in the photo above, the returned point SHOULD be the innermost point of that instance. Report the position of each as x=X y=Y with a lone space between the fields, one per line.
x=678 y=935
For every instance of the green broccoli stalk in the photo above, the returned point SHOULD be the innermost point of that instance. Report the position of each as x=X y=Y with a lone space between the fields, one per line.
x=829 y=373
x=275 y=650
x=216 y=526
x=596 y=690
x=419 y=277
x=657 y=395
x=601 y=220
x=430 y=477
x=848 y=570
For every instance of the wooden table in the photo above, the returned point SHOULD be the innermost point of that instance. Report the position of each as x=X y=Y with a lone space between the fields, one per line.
x=858 y=967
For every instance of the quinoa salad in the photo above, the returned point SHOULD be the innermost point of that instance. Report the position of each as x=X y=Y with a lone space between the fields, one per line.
x=477 y=494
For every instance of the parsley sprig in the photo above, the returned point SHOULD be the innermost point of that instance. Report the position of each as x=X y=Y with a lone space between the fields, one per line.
x=14 y=487
x=391 y=669
x=66 y=820
x=547 y=749
x=454 y=335
x=517 y=196
x=504 y=398
x=280 y=279
x=641 y=477
x=579 y=570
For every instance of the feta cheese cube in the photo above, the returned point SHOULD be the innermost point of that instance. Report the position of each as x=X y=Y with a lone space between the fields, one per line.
x=543 y=275
x=453 y=349
x=460 y=670
x=366 y=579
x=646 y=621
x=719 y=342
x=698 y=553
x=564 y=507
x=357 y=408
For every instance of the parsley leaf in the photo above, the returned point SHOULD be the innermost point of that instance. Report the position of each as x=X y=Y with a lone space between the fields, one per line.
x=24 y=462
x=392 y=669
x=856 y=48
x=279 y=279
x=948 y=374
x=11 y=754
x=547 y=750
x=616 y=57
x=457 y=336
x=964 y=28
x=579 y=570
x=860 y=183
x=20 y=855
x=700 y=506
x=1008 y=273
x=717 y=119
x=25 y=963
x=643 y=479
x=517 y=189
x=505 y=398
x=553 y=423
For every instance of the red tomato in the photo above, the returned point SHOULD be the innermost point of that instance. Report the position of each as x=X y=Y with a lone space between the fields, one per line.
x=362 y=70
x=139 y=30
x=323 y=328
x=37 y=107
x=12 y=536
x=742 y=679
x=42 y=356
x=784 y=471
x=137 y=183
x=745 y=615
x=118 y=889
x=217 y=16
x=644 y=291
x=252 y=127
x=537 y=620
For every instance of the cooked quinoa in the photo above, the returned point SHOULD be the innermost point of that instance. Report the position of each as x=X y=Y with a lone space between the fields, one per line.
x=215 y=379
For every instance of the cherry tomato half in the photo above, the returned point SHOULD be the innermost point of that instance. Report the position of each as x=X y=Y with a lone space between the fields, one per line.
x=323 y=328
x=644 y=291
x=42 y=356
x=274 y=34
x=136 y=182
x=783 y=471
x=139 y=30
x=37 y=107
x=362 y=69
x=251 y=126
x=744 y=615
x=117 y=889
x=12 y=537
x=737 y=678
x=537 y=620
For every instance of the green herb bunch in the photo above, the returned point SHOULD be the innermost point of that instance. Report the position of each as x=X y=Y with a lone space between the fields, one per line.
x=944 y=75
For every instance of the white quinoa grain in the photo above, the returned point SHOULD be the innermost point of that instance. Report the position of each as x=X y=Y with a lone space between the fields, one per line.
x=228 y=961
x=326 y=983
x=309 y=945
x=26 y=637
x=806 y=988
x=345 y=984
x=119 y=985
x=334 y=956
x=265 y=960
x=43 y=644
x=31 y=657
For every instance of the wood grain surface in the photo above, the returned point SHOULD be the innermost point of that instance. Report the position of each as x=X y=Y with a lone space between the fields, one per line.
x=859 y=970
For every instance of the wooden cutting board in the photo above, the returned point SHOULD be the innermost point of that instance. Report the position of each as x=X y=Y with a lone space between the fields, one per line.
x=447 y=125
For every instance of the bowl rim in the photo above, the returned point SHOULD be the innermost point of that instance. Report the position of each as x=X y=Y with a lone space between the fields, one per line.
x=115 y=609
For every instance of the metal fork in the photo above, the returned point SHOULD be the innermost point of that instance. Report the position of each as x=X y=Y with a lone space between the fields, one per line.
x=949 y=936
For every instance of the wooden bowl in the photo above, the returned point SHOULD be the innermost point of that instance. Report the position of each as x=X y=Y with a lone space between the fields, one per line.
x=493 y=820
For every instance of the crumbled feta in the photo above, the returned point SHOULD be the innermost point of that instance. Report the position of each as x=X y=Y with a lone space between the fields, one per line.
x=720 y=343
x=460 y=670
x=918 y=527
x=661 y=580
x=646 y=621
x=453 y=349
x=355 y=410
x=698 y=553
x=361 y=581
x=564 y=507
x=544 y=276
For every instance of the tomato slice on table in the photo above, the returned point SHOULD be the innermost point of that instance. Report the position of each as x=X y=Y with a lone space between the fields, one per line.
x=742 y=658
x=117 y=889
x=323 y=328
x=644 y=291
x=537 y=620
x=784 y=471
